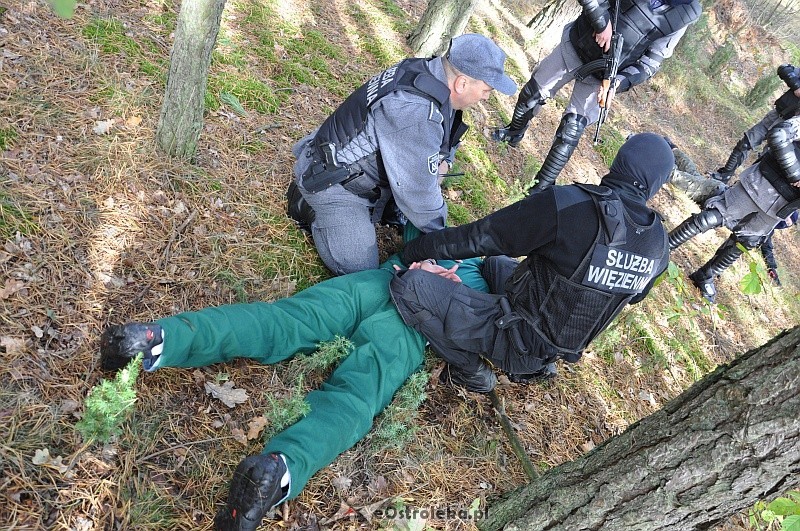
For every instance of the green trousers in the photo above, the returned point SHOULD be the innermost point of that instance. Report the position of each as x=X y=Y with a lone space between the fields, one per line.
x=357 y=306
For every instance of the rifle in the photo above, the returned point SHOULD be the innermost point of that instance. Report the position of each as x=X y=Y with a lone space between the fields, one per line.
x=609 y=74
x=610 y=68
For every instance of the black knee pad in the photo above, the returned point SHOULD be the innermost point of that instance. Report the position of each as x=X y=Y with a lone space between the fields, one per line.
x=531 y=95
x=571 y=129
x=708 y=219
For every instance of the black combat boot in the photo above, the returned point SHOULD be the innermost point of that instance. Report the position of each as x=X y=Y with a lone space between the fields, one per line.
x=546 y=373
x=481 y=380
x=298 y=208
x=528 y=104
x=119 y=344
x=704 y=277
x=260 y=483
x=735 y=159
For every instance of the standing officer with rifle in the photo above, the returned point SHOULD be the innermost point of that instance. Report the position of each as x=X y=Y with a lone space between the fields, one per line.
x=647 y=30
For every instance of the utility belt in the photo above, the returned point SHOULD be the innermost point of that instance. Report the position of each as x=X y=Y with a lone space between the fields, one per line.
x=324 y=173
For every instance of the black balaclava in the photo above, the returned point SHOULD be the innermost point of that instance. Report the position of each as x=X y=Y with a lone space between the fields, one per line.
x=642 y=165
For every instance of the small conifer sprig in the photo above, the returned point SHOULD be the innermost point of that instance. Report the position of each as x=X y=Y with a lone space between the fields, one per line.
x=109 y=404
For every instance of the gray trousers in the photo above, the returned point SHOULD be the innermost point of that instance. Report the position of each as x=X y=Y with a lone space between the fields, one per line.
x=555 y=71
x=750 y=207
x=461 y=323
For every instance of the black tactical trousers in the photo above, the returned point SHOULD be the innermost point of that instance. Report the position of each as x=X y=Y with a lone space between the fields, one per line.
x=461 y=323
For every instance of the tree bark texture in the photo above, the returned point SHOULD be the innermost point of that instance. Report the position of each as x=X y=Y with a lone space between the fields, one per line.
x=555 y=13
x=181 y=117
x=729 y=440
x=441 y=21
x=547 y=26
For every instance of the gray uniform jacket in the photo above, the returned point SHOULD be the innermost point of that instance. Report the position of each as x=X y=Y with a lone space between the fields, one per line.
x=405 y=131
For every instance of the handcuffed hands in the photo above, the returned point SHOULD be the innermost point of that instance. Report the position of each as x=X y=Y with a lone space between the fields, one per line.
x=432 y=267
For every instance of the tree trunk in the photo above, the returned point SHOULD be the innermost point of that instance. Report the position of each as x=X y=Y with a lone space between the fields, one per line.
x=555 y=14
x=729 y=440
x=441 y=21
x=181 y=117
x=548 y=24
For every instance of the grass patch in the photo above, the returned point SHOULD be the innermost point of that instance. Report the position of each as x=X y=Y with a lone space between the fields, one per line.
x=7 y=137
x=399 y=19
x=610 y=142
x=237 y=285
x=308 y=51
x=385 y=51
x=109 y=36
x=248 y=91
x=457 y=214
x=289 y=254
x=14 y=218
x=149 y=509
x=283 y=412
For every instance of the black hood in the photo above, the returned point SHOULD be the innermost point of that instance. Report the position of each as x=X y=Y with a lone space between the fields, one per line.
x=642 y=165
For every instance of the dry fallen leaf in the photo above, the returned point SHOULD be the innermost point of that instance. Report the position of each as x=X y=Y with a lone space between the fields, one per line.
x=102 y=127
x=341 y=483
x=133 y=121
x=43 y=458
x=12 y=286
x=12 y=344
x=239 y=436
x=227 y=393
x=255 y=426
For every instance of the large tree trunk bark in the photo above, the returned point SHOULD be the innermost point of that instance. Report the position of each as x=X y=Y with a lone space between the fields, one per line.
x=555 y=14
x=549 y=23
x=441 y=21
x=729 y=440
x=181 y=117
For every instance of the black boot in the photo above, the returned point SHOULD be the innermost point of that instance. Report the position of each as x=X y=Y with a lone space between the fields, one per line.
x=257 y=487
x=704 y=277
x=694 y=225
x=528 y=104
x=546 y=373
x=119 y=344
x=481 y=380
x=567 y=136
x=298 y=208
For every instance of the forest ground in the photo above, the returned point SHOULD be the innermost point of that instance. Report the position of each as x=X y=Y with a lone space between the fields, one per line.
x=98 y=227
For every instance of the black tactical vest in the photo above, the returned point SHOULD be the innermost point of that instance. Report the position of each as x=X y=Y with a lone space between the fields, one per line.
x=569 y=312
x=639 y=26
x=350 y=118
x=772 y=171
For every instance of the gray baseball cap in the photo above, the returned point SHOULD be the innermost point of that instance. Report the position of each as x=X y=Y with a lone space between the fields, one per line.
x=480 y=58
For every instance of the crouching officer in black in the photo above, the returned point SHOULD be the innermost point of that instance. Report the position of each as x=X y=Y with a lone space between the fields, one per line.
x=766 y=193
x=590 y=251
